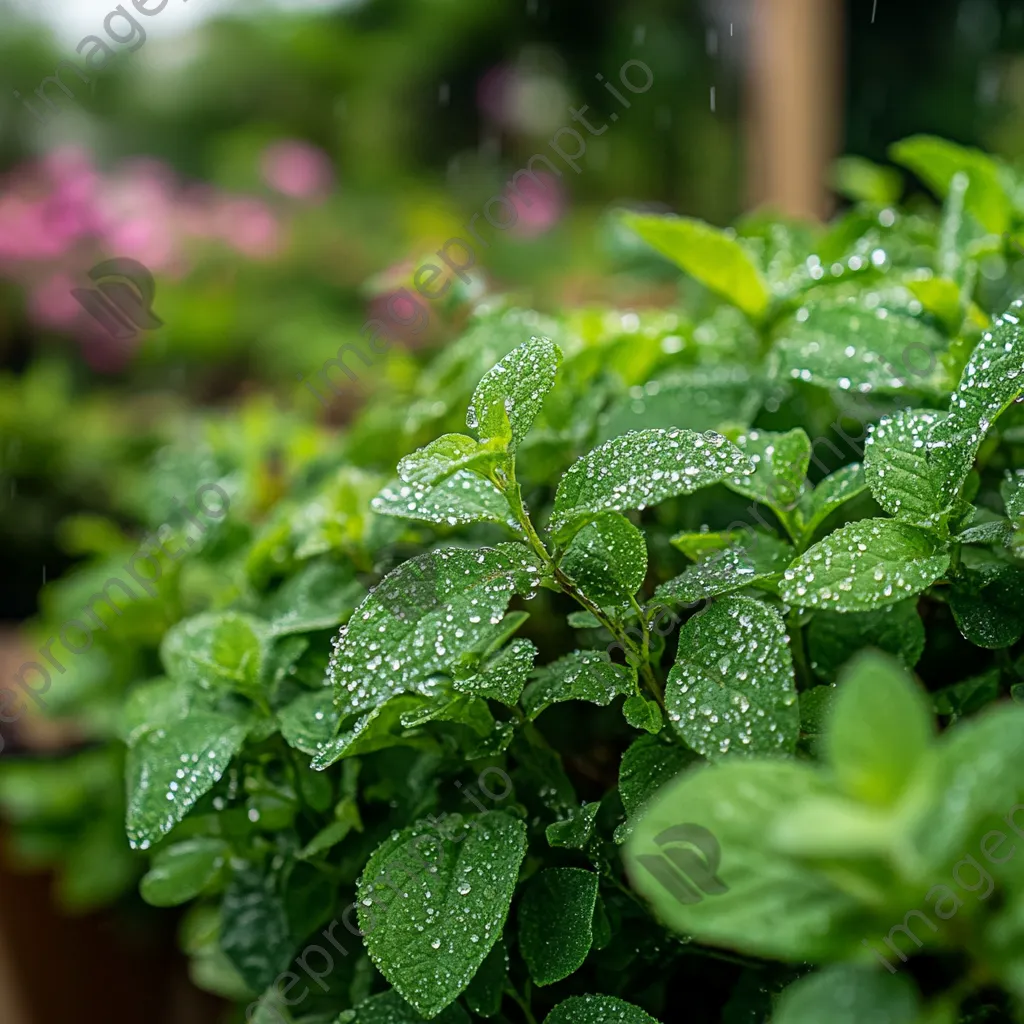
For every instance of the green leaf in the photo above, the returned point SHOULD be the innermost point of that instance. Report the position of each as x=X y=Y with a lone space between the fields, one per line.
x=1012 y=492
x=255 y=935
x=169 y=769
x=866 y=182
x=864 y=565
x=574 y=832
x=706 y=542
x=504 y=676
x=834 y=490
x=991 y=382
x=879 y=730
x=450 y=453
x=597 y=1010
x=736 y=889
x=152 y=704
x=714 y=257
x=486 y=990
x=510 y=395
x=607 y=559
x=899 y=471
x=421 y=619
x=462 y=498
x=847 y=345
x=969 y=696
x=310 y=722
x=941 y=297
x=581 y=675
x=556 y=916
x=182 y=872
x=383 y=726
x=758 y=558
x=430 y=935
x=642 y=713
x=319 y=597
x=641 y=469
x=390 y=1008
x=834 y=638
x=988 y=604
x=732 y=686
x=849 y=994
x=217 y=650
x=780 y=467
x=647 y=765
x=936 y=162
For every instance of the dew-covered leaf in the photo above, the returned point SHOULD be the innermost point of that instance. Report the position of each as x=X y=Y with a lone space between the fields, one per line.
x=850 y=346
x=607 y=559
x=642 y=713
x=465 y=710
x=937 y=162
x=181 y=872
x=705 y=542
x=390 y=1008
x=991 y=382
x=1012 y=492
x=445 y=456
x=310 y=721
x=757 y=558
x=864 y=565
x=732 y=688
x=968 y=696
x=849 y=994
x=641 y=469
x=834 y=490
x=319 y=597
x=780 y=467
x=581 y=675
x=647 y=765
x=556 y=916
x=169 y=769
x=486 y=990
x=155 y=703
x=390 y=647
x=431 y=908
x=988 y=604
x=714 y=257
x=462 y=498
x=381 y=727
x=834 y=638
x=879 y=729
x=503 y=677
x=217 y=650
x=902 y=478
x=597 y=1010
x=575 y=831
x=510 y=395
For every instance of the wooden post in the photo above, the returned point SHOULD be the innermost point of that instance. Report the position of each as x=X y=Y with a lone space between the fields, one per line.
x=794 y=104
x=12 y=1010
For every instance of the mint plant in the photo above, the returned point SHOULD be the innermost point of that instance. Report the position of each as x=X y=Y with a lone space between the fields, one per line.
x=614 y=662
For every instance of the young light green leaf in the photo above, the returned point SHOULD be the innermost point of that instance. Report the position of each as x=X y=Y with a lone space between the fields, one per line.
x=641 y=469
x=556 y=916
x=462 y=498
x=834 y=490
x=864 y=565
x=510 y=395
x=582 y=675
x=169 y=769
x=574 y=832
x=937 y=162
x=714 y=257
x=431 y=908
x=849 y=994
x=834 y=638
x=504 y=676
x=759 y=557
x=847 y=345
x=879 y=729
x=597 y=1010
x=432 y=464
x=706 y=542
x=217 y=650
x=732 y=687
x=866 y=182
x=780 y=467
x=319 y=597
x=421 y=619
x=898 y=469
x=607 y=559
x=181 y=872
x=642 y=713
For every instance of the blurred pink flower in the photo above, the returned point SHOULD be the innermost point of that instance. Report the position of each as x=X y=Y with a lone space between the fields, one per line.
x=494 y=90
x=249 y=226
x=297 y=169
x=539 y=206
x=51 y=302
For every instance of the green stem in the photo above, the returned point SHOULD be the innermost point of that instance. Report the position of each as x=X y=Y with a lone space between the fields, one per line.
x=523 y=1005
